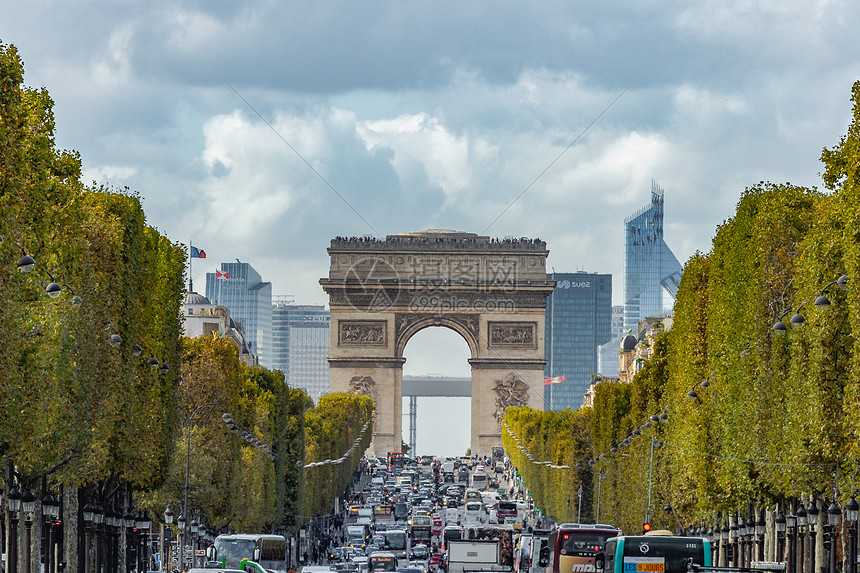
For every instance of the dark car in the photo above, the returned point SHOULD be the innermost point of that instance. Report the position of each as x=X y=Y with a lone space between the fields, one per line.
x=335 y=554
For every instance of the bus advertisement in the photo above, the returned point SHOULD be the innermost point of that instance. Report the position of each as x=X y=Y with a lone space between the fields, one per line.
x=506 y=512
x=656 y=552
x=574 y=546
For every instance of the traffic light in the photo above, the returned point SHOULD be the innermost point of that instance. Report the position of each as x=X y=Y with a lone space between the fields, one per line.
x=646 y=527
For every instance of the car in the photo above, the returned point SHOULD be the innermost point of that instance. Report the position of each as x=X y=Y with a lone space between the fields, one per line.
x=335 y=554
x=419 y=551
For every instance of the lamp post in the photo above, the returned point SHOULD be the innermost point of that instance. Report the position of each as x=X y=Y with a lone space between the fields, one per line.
x=50 y=511
x=142 y=522
x=168 y=519
x=88 y=522
x=130 y=542
x=759 y=533
x=28 y=506
x=600 y=477
x=779 y=521
x=98 y=532
x=833 y=516
x=812 y=520
x=802 y=530
x=14 y=497
x=735 y=542
x=181 y=523
x=852 y=509
x=790 y=539
x=194 y=529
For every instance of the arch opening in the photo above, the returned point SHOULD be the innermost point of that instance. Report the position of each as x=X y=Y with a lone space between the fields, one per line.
x=437 y=362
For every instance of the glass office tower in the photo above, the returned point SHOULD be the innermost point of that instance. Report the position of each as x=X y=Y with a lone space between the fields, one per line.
x=578 y=320
x=240 y=288
x=301 y=345
x=651 y=271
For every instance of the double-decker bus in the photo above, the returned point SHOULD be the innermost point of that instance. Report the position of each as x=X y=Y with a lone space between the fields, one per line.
x=419 y=529
x=270 y=551
x=574 y=547
x=395 y=461
x=655 y=552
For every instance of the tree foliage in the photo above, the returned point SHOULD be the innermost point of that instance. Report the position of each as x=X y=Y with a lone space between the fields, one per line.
x=778 y=416
x=88 y=414
x=331 y=429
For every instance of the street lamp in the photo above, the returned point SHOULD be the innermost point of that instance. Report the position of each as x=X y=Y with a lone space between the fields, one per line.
x=87 y=511
x=736 y=545
x=779 y=521
x=852 y=509
x=812 y=521
x=759 y=532
x=181 y=524
x=833 y=516
x=50 y=511
x=194 y=528
x=165 y=544
x=14 y=500
x=791 y=537
x=28 y=506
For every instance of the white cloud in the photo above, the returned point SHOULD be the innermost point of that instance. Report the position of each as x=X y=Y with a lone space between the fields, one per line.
x=117 y=175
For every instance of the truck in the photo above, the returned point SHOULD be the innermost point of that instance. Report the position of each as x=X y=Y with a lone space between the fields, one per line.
x=474 y=555
x=356 y=535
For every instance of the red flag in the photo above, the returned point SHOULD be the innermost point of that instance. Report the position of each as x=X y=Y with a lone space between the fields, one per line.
x=554 y=380
x=220 y=275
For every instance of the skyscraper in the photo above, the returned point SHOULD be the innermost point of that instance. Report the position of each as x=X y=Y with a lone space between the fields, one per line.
x=651 y=271
x=607 y=353
x=301 y=344
x=578 y=319
x=240 y=288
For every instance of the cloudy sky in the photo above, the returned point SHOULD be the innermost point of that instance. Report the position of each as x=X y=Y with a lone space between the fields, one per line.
x=260 y=130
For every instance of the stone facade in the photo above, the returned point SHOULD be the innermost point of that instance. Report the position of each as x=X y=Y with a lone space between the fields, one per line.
x=491 y=292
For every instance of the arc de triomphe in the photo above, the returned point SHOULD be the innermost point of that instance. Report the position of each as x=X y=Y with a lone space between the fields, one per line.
x=490 y=291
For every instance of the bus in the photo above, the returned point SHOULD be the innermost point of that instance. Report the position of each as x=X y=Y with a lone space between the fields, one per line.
x=270 y=551
x=573 y=547
x=395 y=460
x=397 y=542
x=471 y=494
x=382 y=561
x=479 y=481
x=506 y=512
x=655 y=552
x=419 y=529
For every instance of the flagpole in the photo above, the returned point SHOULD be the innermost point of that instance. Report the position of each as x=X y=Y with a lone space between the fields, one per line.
x=190 y=259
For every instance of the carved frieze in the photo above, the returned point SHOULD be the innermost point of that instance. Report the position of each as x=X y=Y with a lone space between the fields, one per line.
x=435 y=299
x=469 y=322
x=510 y=391
x=512 y=334
x=363 y=386
x=362 y=333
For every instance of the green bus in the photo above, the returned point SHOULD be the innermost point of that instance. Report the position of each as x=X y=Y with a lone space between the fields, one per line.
x=657 y=552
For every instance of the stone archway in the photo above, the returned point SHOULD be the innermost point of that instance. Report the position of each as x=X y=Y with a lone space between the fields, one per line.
x=492 y=292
